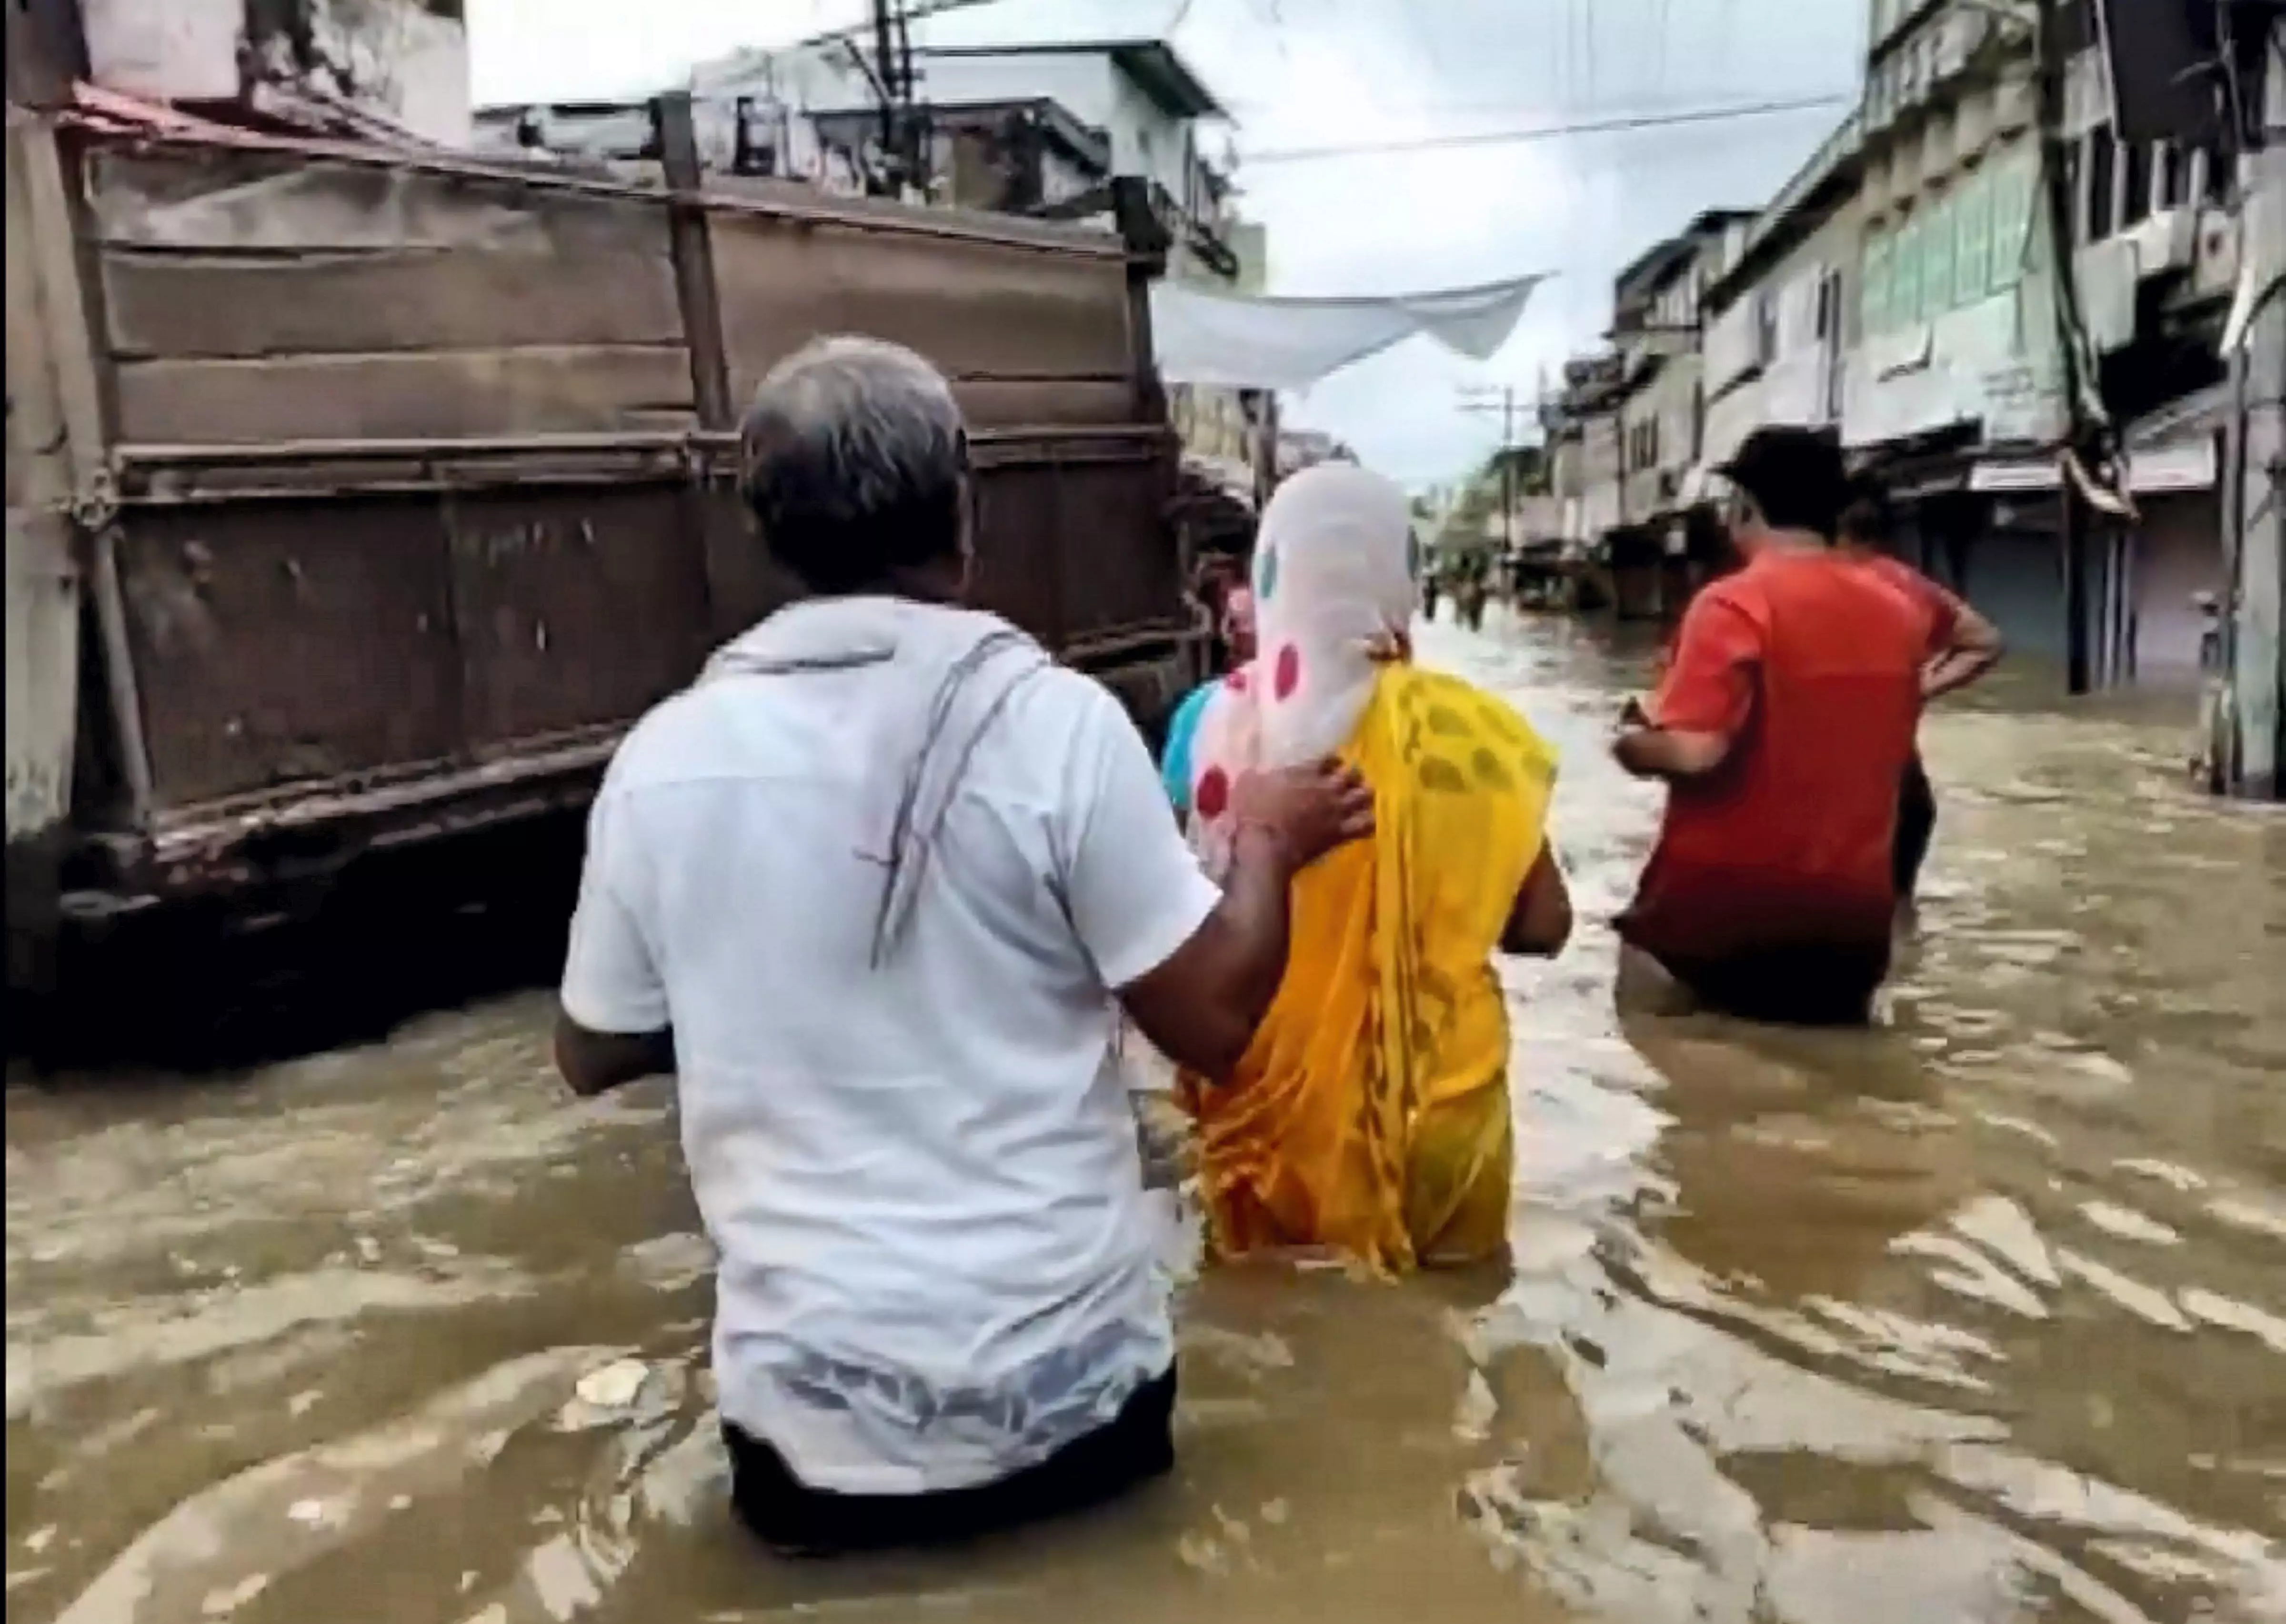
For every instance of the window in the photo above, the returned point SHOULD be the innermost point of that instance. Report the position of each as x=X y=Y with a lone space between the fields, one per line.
x=1971 y=265
x=1939 y=238
x=1766 y=326
x=2218 y=178
x=2135 y=199
x=2098 y=214
x=2015 y=179
x=1828 y=317
x=1873 y=297
x=1905 y=274
x=2173 y=183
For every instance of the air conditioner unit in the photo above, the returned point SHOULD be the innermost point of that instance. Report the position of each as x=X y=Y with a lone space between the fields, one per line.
x=2167 y=241
x=2215 y=253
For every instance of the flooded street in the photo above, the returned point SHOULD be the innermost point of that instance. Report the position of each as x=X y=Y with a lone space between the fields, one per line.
x=1980 y=1316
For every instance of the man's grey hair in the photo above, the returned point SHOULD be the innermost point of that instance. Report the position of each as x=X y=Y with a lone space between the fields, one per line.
x=854 y=459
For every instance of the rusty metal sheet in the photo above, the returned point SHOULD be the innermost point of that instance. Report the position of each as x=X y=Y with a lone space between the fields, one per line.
x=743 y=583
x=576 y=607
x=1122 y=565
x=288 y=640
x=1020 y=548
x=978 y=310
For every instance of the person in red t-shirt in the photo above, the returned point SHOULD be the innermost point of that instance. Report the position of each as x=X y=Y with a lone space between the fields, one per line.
x=1963 y=645
x=1784 y=727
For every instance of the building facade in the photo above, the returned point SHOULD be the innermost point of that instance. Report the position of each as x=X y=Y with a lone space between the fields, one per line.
x=1916 y=291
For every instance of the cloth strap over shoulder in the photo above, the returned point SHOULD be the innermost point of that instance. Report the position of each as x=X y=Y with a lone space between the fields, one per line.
x=954 y=669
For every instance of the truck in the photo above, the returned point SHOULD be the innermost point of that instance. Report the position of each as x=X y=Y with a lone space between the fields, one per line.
x=362 y=496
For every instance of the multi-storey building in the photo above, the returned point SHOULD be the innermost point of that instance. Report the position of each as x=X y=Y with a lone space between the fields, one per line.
x=1907 y=289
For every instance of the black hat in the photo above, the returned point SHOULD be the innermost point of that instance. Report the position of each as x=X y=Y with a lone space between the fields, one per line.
x=1793 y=474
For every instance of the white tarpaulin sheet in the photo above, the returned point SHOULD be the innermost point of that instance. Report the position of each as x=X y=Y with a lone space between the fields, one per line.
x=1230 y=341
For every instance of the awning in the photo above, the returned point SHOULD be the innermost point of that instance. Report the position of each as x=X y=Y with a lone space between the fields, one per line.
x=2182 y=465
x=1229 y=341
x=2156 y=470
x=2011 y=475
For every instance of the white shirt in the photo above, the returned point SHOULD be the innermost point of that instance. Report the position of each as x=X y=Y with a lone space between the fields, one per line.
x=936 y=1263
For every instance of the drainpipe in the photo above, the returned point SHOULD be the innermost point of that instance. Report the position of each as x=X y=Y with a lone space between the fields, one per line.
x=2088 y=428
x=2255 y=640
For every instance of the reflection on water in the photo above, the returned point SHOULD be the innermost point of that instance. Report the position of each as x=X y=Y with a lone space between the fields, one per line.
x=1980 y=1316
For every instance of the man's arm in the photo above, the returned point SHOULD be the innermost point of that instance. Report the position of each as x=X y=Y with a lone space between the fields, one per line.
x=612 y=1025
x=1202 y=1005
x=1705 y=697
x=591 y=1062
x=1194 y=965
x=1660 y=752
x=1971 y=646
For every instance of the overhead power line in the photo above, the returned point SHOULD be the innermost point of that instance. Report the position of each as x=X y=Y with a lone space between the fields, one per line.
x=1549 y=132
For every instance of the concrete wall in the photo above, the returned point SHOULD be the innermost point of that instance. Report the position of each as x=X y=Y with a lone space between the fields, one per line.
x=1796 y=382
x=406 y=59
x=1599 y=489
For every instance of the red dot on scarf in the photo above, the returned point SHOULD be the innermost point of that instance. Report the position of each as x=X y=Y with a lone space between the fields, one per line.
x=1288 y=673
x=1236 y=682
x=1212 y=795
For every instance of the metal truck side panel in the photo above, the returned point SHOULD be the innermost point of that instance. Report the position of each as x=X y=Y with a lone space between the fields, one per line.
x=42 y=592
x=414 y=511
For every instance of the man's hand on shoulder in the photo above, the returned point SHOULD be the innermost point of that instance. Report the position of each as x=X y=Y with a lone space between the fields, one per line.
x=1308 y=810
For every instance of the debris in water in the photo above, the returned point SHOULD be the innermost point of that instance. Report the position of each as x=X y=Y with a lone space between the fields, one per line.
x=614 y=1386
x=221 y=1603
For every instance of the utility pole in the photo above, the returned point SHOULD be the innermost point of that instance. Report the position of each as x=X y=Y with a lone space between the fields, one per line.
x=893 y=78
x=2255 y=459
x=1485 y=401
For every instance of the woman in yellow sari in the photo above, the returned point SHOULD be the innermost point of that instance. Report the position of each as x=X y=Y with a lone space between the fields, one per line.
x=1371 y=1114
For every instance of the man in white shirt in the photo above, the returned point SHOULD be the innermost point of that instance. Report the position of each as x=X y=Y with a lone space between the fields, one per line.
x=876 y=888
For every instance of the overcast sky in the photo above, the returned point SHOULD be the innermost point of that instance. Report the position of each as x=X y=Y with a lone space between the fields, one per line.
x=1304 y=74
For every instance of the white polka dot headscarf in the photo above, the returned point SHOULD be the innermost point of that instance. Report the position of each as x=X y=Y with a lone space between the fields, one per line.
x=1335 y=572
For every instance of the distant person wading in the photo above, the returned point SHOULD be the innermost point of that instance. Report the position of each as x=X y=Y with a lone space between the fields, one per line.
x=1963 y=645
x=1783 y=728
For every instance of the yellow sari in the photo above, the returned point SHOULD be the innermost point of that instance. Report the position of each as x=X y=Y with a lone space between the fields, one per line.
x=1371 y=1114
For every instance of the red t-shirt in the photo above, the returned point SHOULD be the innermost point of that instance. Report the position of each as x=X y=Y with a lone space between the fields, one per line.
x=1769 y=889
x=1942 y=607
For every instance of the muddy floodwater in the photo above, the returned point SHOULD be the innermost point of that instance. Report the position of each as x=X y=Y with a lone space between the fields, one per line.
x=1980 y=1316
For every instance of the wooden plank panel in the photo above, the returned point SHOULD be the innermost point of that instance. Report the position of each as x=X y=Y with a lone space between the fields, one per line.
x=174 y=303
x=234 y=199
x=991 y=402
x=464 y=393
x=975 y=309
